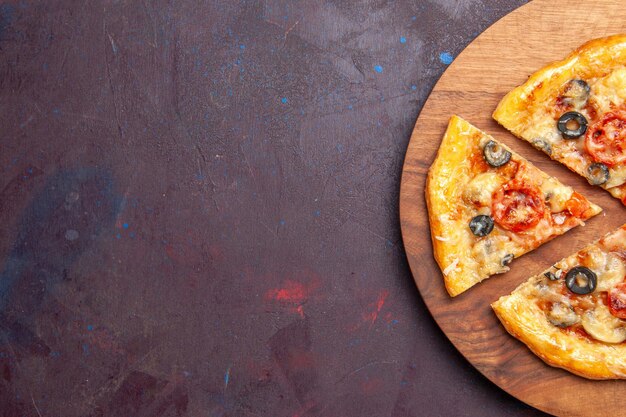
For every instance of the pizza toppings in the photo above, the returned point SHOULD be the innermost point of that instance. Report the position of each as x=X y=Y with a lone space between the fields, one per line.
x=517 y=206
x=616 y=300
x=479 y=190
x=507 y=259
x=597 y=173
x=495 y=154
x=481 y=225
x=562 y=315
x=606 y=139
x=553 y=276
x=581 y=280
x=542 y=145
x=600 y=324
x=572 y=125
x=575 y=93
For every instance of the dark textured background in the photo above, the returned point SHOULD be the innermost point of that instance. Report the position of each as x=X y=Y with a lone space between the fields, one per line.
x=199 y=209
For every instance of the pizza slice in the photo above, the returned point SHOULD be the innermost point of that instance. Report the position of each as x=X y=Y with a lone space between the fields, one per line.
x=575 y=111
x=573 y=316
x=488 y=205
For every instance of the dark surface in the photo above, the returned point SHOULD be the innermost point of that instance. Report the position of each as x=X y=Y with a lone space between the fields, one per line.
x=199 y=209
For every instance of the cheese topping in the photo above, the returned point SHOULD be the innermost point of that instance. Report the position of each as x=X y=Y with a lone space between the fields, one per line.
x=564 y=309
x=607 y=94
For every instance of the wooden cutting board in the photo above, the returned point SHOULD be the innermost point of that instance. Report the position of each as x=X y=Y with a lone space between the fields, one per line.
x=498 y=60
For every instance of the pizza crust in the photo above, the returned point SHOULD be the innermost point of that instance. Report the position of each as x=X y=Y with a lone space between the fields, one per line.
x=588 y=358
x=441 y=192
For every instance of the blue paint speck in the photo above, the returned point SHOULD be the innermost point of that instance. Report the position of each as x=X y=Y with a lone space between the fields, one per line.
x=242 y=46
x=446 y=58
x=317 y=213
x=56 y=111
x=281 y=222
x=118 y=236
x=354 y=342
x=132 y=235
x=414 y=18
x=85 y=349
x=339 y=147
x=284 y=100
x=413 y=87
x=378 y=69
x=227 y=377
x=349 y=106
x=402 y=39
x=394 y=321
x=125 y=225
x=7 y=13
x=54 y=354
x=90 y=327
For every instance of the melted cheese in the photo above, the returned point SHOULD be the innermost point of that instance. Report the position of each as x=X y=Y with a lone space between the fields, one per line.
x=600 y=324
x=610 y=91
x=480 y=189
x=590 y=310
x=556 y=194
x=606 y=94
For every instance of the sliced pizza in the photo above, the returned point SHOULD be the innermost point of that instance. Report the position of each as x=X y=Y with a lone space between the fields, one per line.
x=573 y=315
x=575 y=111
x=488 y=205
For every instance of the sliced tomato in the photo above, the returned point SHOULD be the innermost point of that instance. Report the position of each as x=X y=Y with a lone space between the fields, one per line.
x=606 y=139
x=616 y=300
x=517 y=206
x=577 y=205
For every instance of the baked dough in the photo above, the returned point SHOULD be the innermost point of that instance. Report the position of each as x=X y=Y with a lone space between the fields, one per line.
x=461 y=185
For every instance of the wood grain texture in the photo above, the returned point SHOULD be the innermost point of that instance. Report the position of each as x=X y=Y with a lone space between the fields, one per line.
x=498 y=60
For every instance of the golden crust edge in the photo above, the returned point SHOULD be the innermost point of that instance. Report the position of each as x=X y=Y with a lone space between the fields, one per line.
x=543 y=340
x=454 y=285
x=508 y=109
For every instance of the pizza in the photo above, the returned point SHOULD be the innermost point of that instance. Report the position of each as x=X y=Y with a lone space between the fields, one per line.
x=573 y=315
x=487 y=205
x=575 y=111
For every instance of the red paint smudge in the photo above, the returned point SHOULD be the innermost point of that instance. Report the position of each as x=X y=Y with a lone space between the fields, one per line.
x=372 y=316
x=216 y=252
x=370 y=386
x=292 y=292
x=293 y=295
x=301 y=361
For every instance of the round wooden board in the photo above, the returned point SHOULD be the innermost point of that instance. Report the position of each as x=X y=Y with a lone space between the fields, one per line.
x=497 y=61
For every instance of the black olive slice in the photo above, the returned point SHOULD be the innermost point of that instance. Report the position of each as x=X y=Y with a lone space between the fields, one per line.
x=481 y=225
x=576 y=93
x=542 y=145
x=507 y=259
x=581 y=280
x=572 y=125
x=551 y=276
x=495 y=154
x=598 y=173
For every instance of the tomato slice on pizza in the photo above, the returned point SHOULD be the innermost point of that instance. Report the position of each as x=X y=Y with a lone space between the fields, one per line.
x=575 y=111
x=573 y=315
x=487 y=205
